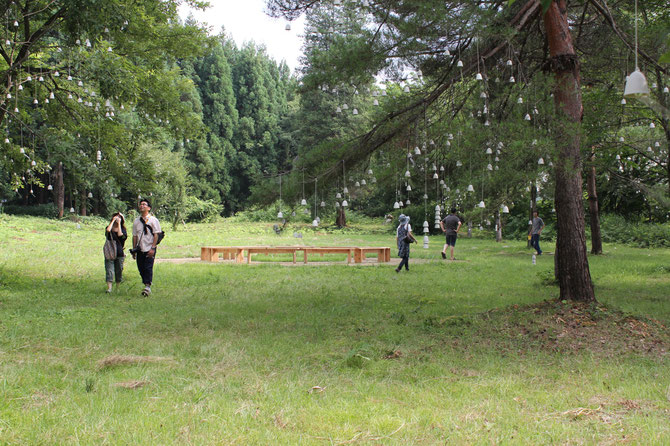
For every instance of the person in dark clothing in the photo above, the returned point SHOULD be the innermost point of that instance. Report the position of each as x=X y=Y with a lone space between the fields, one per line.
x=450 y=226
x=115 y=231
x=403 y=232
x=535 y=231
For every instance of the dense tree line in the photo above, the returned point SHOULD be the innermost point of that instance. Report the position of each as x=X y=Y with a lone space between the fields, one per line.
x=103 y=104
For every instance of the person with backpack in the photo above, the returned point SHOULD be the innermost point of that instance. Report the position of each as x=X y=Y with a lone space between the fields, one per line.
x=450 y=226
x=146 y=236
x=115 y=238
x=403 y=238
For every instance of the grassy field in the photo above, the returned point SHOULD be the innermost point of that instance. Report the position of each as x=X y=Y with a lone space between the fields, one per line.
x=471 y=352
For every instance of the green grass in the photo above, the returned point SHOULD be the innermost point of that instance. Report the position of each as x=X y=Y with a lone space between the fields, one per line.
x=449 y=353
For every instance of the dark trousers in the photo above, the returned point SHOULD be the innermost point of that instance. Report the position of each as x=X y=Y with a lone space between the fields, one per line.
x=535 y=242
x=145 y=265
x=404 y=261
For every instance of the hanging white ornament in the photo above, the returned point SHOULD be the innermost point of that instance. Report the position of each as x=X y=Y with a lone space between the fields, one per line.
x=459 y=64
x=512 y=80
x=527 y=117
x=345 y=204
x=470 y=188
x=407 y=174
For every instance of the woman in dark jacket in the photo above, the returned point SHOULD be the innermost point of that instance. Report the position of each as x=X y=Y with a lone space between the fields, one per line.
x=403 y=233
x=115 y=231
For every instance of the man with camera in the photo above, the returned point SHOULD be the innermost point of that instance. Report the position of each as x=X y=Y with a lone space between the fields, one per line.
x=146 y=230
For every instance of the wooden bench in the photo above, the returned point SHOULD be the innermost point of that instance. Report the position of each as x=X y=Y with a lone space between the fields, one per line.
x=383 y=253
x=211 y=253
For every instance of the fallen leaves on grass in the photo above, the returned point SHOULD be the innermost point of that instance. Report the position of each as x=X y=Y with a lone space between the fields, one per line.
x=117 y=360
x=131 y=384
x=393 y=354
x=316 y=389
x=568 y=327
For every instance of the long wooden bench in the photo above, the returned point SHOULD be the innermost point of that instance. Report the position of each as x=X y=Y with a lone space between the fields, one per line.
x=211 y=253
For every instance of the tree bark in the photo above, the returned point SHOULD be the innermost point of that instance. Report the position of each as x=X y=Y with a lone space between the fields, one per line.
x=574 y=276
x=341 y=219
x=59 y=190
x=498 y=227
x=531 y=210
x=596 y=239
x=82 y=203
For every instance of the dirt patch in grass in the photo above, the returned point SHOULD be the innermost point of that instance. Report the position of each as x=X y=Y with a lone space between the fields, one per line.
x=119 y=360
x=568 y=327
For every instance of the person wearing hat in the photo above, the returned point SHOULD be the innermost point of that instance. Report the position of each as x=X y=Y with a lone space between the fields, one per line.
x=145 y=238
x=116 y=234
x=403 y=238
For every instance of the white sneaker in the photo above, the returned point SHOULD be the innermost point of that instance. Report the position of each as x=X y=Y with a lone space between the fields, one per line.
x=146 y=291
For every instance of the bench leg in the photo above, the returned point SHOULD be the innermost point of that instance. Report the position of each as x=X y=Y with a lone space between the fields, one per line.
x=348 y=257
x=358 y=255
x=305 y=257
x=239 y=257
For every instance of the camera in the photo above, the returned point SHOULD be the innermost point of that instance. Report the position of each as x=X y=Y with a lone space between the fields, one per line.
x=133 y=251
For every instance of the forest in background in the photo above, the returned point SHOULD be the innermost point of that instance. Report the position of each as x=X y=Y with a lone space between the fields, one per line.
x=154 y=107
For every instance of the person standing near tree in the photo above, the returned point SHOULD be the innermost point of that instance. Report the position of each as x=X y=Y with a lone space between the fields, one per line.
x=450 y=226
x=146 y=229
x=535 y=231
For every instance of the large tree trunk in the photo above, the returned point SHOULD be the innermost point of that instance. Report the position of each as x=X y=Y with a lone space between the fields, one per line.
x=596 y=239
x=341 y=219
x=574 y=277
x=59 y=190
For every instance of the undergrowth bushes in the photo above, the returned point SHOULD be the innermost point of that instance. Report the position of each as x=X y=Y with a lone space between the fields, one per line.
x=617 y=229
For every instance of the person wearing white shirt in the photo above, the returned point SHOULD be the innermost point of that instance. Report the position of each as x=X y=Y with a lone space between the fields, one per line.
x=145 y=238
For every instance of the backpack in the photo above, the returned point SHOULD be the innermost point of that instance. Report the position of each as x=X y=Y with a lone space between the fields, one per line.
x=109 y=249
x=161 y=235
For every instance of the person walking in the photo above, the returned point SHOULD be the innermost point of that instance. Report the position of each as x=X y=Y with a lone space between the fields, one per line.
x=115 y=236
x=536 y=230
x=146 y=228
x=403 y=238
x=450 y=226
